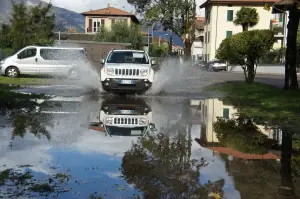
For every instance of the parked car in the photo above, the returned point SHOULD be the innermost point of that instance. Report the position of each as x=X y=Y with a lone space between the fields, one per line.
x=127 y=71
x=216 y=65
x=39 y=60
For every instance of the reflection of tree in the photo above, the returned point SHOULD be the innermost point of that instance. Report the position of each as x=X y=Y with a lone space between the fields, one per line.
x=242 y=134
x=35 y=123
x=161 y=167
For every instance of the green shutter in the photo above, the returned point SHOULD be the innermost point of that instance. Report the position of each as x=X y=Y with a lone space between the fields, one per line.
x=281 y=17
x=229 y=15
x=228 y=34
x=226 y=113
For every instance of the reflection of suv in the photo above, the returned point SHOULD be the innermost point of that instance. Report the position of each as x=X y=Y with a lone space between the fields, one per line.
x=127 y=70
x=216 y=65
x=124 y=117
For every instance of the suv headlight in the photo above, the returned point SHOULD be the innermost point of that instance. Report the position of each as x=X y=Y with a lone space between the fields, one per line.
x=144 y=72
x=110 y=71
x=109 y=120
x=142 y=121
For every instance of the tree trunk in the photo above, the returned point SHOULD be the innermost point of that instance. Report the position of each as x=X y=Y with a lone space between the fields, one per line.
x=171 y=42
x=291 y=81
x=249 y=72
x=245 y=27
x=187 y=49
x=286 y=189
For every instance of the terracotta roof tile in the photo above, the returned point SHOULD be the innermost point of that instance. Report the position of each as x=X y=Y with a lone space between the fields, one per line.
x=245 y=156
x=237 y=2
x=109 y=11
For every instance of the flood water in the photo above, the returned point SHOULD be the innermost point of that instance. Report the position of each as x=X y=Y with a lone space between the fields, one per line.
x=127 y=147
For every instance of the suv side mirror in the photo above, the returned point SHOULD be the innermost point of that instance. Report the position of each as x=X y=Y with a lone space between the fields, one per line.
x=102 y=61
x=153 y=62
x=19 y=56
x=152 y=127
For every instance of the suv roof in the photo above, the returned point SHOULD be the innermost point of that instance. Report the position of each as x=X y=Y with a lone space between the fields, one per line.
x=127 y=50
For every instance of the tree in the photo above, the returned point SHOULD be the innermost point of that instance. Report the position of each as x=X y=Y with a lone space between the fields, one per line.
x=31 y=25
x=5 y=40
x=245 y=49
x=174 y=15
x=124 y=33
x=246 y=17
x=158 y=50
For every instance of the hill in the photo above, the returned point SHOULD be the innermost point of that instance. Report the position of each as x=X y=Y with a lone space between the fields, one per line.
x=64 y=18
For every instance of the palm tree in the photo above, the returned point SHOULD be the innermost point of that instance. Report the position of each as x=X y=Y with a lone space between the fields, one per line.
x=246 y=17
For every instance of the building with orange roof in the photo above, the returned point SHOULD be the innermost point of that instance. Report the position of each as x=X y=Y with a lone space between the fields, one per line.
x=95 y=19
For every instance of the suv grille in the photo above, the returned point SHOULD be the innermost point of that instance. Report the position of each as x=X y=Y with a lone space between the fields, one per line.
x=125 y=120
x=132 y=72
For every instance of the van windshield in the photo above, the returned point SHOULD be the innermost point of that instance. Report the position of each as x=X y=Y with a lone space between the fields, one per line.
x=128 y=57
x=62 y=54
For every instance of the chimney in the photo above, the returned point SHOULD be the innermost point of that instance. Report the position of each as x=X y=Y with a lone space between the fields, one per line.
x=108 y=5
x=107 y=9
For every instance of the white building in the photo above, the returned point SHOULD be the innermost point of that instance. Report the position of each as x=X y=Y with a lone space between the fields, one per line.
x=220 y=14
x=197 y=47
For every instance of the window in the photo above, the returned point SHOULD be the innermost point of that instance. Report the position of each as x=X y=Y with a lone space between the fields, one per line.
x=207 y=17
x=208 y=36
x=128 y=57
x=27 y=53
x=228 y=34
x=97 y=24
x=205 y=39
x=62 y=54
x=229 y=15
x=205 y=111
x=226 y=113
x=281 y=17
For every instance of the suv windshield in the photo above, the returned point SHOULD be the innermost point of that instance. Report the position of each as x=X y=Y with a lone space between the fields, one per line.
x=128 y=57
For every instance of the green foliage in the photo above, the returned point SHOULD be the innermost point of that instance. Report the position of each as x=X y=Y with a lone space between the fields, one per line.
x=298 y=37
x=273 y=57
x=245 y=49
x=176 y=15
x=31 y=26
x=5 y=39
x=241 y=134
x=158 y=51
x=246 y=17
x=123 y=33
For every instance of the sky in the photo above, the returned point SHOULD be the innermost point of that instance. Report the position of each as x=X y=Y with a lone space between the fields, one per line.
x=85 y=5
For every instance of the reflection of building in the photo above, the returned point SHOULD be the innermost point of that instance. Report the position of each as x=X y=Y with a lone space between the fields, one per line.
x=211 y=109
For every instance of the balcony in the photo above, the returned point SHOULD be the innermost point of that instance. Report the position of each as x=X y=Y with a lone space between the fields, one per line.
x=277 y=27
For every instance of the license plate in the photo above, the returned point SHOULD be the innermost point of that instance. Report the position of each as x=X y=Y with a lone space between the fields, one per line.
x=136 y=132
x=126 y=111
x=127 y=82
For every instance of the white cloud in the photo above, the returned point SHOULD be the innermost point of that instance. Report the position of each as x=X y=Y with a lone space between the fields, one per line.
x=85 y=5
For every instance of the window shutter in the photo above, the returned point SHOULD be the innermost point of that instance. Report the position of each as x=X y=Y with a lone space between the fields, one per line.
x=226 y=113
x=90 y=25
x=228 y=34
x=102 y=22
x=229 y=15
x=281 y=17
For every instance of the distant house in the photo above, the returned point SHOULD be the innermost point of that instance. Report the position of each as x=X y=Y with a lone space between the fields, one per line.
x=219 y=17
x=95 y=19
x=197 y=47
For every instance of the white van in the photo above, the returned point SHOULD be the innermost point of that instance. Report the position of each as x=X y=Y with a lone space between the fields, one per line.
x=40 y=60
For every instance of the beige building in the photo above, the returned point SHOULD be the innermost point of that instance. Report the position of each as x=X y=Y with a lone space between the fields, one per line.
x=220 y=14
x=95 y=19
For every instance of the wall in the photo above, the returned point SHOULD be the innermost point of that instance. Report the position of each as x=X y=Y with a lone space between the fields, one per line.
x=270 y=69
x=95 y=50
x=197 y=49
x=219 y=25
x=107 y=21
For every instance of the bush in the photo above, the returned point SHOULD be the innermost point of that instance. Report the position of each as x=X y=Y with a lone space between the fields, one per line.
x=121 y=32
x=246 y=49
x=241 y=134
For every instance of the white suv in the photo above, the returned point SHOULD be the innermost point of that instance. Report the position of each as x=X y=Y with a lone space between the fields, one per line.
x=127 y=71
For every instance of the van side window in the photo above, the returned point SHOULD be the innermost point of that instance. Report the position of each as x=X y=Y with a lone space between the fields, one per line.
x=62 y=54
x=27 y=53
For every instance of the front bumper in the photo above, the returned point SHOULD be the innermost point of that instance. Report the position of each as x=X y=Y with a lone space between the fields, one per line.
x=115 y=84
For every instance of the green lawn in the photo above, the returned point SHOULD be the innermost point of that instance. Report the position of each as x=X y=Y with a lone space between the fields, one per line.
x=24 y=80
x=260 y=100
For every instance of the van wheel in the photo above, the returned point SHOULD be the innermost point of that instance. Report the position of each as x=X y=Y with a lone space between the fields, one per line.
x=12 y=71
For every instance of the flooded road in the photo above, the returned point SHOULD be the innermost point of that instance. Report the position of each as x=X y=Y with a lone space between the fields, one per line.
x=129 y=147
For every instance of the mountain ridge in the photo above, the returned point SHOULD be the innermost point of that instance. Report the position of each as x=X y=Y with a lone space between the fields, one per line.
x=64 y=18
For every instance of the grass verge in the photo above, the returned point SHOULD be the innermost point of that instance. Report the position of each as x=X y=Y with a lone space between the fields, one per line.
x=24 y=80
x=260 y=100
